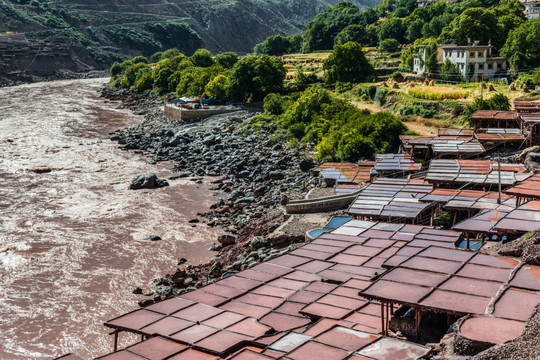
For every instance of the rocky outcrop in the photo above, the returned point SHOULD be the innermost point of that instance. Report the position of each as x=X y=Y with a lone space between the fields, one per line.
x=147 y=181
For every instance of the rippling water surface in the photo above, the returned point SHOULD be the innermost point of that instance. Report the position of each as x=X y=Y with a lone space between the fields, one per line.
x=72 y=242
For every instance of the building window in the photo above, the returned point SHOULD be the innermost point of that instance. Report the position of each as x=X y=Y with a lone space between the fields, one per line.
x=490 y=66
x=480 y=54
x=481 y=67
x=472 y=54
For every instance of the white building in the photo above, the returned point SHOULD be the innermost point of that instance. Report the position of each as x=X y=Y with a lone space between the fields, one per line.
x=424 y=3
x=474 y=61
x=532 y=8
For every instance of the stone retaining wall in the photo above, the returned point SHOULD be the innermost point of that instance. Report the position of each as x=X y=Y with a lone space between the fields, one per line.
x=176 y=113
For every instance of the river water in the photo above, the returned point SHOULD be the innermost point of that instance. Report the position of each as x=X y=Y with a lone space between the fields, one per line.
x=72 y=244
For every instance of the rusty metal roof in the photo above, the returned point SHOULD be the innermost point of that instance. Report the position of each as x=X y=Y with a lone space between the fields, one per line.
x=495 y=115
x=456 y=132
x=387 y=198
x=526 y=106
x=396 y=162
x=443 y=145
x=471 y=200
x=459 y=282
x=347 y=172
x=479 y=172
x=529 y=188
x=523 y=219
x=495 y=134
x=245 y=315
x=531 y=118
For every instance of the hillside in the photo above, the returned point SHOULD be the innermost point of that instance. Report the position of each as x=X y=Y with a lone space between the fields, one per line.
x=98 y=33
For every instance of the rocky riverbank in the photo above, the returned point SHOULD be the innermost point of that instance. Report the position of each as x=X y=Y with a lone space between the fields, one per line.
x=253 y=172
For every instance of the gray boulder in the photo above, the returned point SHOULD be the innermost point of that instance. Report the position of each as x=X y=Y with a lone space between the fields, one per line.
x=147 y=181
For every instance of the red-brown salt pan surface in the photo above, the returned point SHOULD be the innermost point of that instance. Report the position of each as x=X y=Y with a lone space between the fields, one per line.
x=491 y=330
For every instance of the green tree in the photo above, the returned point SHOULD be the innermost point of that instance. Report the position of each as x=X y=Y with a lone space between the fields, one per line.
x=303 y=79
x=522 y=48
x=277 y=45
x=163 y=70
x=259 y=49
x=435 y=26
x=389 y=45
x=353 y=32
x=408 y=5
x=496 y=102
x=450 y=71
x=322 y=30
x=202 y=58
x=347 y=63
x=253 y=77
x=144 y=80
x=432 y=65
x=273 y=104
x=414 y=30
x=227 y=60
x=217 y=87
x=386 y=7
x=407 y=59
x=116 y=69
x=392 y=28
x=131 y=73
x=194 y=79
x=372 y=36
x=473 y=24
x=139 y=59
x=170 y=53
x=369 y=16
x=156 y=56
x=305 y=110
x=296 y=43
x=536 y=77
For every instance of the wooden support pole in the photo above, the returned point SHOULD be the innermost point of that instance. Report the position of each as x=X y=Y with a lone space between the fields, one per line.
x=418 y=316
x=387 y=318
x=115 y=346
x=382 y=318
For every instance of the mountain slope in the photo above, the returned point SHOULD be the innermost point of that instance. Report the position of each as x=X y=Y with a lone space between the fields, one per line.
x=98 y=33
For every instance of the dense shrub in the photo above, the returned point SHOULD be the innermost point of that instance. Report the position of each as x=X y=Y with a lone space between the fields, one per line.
x=496 y=102
x=340 y=130
x=389 y=45
x=273 y=104
x=367 y=93
x=380 y=96
x=417 y=110
x=347 y=63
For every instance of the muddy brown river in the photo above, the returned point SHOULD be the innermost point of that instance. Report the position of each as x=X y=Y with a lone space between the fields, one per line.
x=72 y=244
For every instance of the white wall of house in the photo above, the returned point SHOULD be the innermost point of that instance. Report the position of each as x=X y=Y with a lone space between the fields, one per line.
x=478 y=58
x=419 y=60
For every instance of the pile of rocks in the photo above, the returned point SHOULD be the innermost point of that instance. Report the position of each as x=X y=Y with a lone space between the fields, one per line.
x=253 y=172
